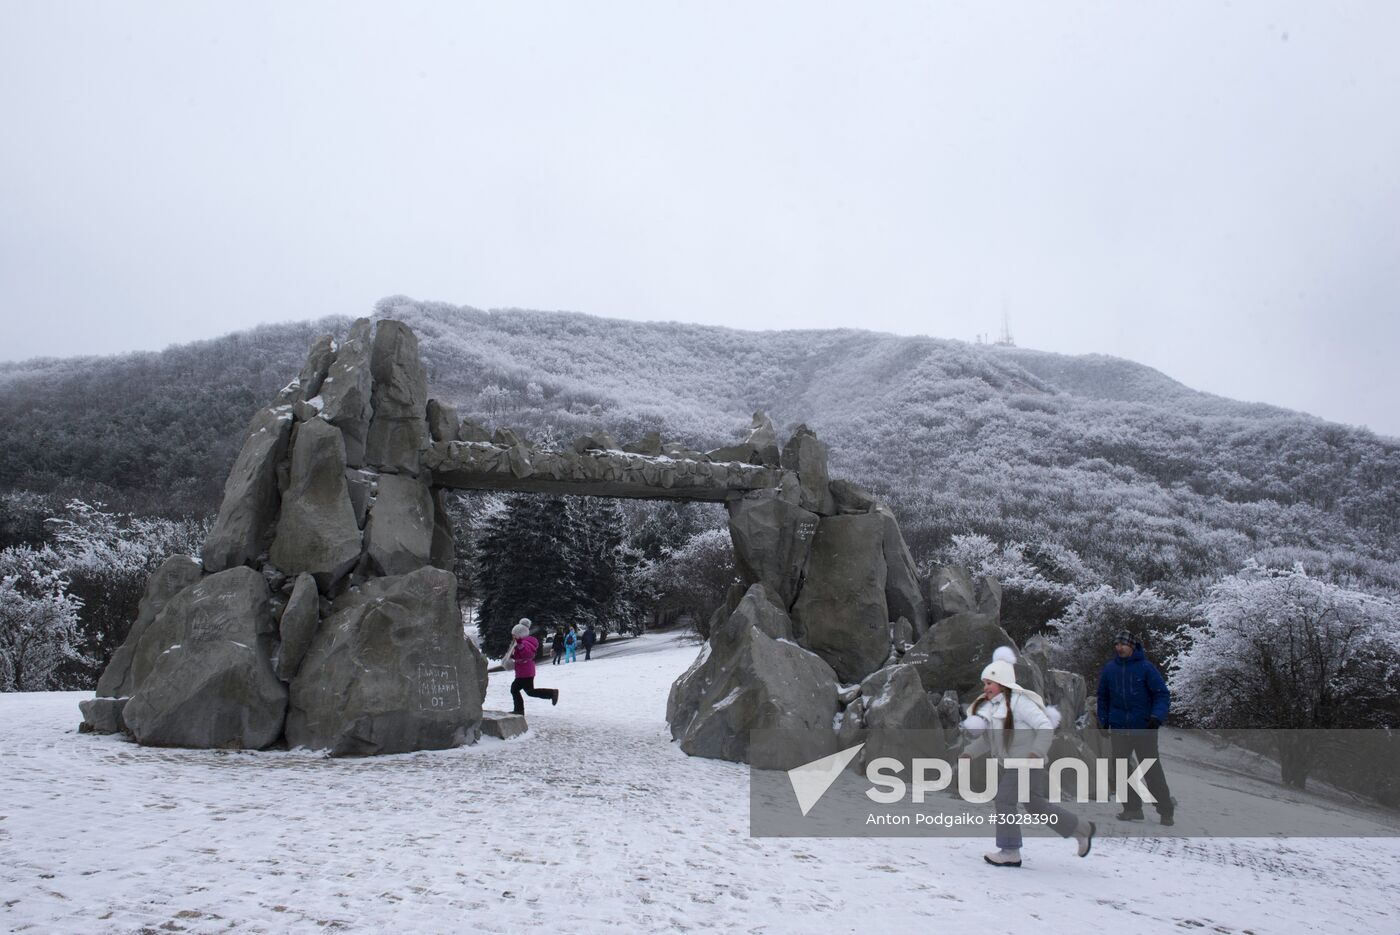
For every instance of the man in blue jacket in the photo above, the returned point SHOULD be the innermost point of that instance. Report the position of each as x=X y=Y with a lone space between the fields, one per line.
x=1133 y=703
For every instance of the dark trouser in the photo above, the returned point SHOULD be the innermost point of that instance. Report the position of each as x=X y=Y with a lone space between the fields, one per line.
x=587 y=652
x=558 y=654
x=1052 y=815
x=527 y=685
x=1125 y=743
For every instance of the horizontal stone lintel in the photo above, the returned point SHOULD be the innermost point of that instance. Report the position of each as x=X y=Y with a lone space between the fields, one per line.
x=483 y=466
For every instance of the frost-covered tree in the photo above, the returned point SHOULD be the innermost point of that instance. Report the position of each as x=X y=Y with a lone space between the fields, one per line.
x=659 y=527
x=636 y=597
x=692 y=580
x=22 y=515
x=38 y=621
x=1039 y=580
x=1281 y=649
x=1083 y=635
x=105 y=557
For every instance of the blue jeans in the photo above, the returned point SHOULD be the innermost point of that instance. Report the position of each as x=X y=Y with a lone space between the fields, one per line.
x=1062 y=823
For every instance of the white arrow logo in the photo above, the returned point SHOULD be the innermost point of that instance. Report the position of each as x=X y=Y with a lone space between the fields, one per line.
x=811 y=780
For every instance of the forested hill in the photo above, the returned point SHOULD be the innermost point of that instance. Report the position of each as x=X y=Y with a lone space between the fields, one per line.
x=1147 y=480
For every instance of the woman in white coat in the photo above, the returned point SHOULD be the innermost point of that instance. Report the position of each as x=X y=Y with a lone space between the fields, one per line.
x=1010 y=722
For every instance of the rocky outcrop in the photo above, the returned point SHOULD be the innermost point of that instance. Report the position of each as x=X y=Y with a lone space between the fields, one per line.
x=473 y=432
x=955 y=650
x=1037 y=649
x=840 y=613
x=244 y=526
x=760 y=447
x=805 y=455
x=903 y=595
x=593 y=472
x=362 y=485
x=389 y=671
x=851 y=498
x=443 y=424
x=102 y=715
x=650 y=445
x=175 y=574
x=1066 y=691
x=297 y=626
x=503 y=725
x=347 y=390
x=316 y=531
x=398 y=429
x=222 y=647
x=214 y=685
x=898 y=716
x=329 y=571
x=443 y=551
x=752 y=677
x=598 y=441
x=399 y=534
x=772 y=539
x=318 y=365
x=951 y=590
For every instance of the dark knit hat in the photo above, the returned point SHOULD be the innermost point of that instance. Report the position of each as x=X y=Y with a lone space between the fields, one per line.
x=1123 y=636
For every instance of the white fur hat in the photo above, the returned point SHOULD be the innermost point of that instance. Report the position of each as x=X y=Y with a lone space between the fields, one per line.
x=521 y=629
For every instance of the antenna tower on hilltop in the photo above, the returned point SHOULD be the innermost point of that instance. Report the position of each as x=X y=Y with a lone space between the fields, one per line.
x=1005 y=340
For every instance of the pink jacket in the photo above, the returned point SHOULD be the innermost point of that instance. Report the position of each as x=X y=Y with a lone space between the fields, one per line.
x=525 y=649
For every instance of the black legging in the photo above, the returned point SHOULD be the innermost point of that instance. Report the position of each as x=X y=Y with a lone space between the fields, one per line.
x=527 y=685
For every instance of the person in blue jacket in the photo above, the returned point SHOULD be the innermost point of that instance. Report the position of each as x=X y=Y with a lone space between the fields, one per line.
x=1133 y=703
x=571 y=645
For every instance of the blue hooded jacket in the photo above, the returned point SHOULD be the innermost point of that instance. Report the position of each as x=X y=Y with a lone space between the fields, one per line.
x=1131 y=691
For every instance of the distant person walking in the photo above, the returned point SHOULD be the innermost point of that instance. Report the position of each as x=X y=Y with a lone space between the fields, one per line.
x=558 y=645
x=1012 y=723
x=571 y=645
x=522 y=650
x=1133 y=703
x=590 y=636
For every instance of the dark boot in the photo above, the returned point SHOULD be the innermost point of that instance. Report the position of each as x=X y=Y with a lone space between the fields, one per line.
x=1128 y=814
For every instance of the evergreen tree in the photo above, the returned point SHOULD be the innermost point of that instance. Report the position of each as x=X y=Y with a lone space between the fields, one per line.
x=528 y=566
x=601 y=535
x=612 y=569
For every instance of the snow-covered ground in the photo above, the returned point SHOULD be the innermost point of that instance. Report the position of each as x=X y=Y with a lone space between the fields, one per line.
x=591 y=822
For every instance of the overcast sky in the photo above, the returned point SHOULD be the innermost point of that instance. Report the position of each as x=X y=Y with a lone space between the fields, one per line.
x=1209 y=188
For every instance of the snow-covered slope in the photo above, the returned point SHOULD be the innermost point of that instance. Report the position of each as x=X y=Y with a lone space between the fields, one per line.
x=592 y=822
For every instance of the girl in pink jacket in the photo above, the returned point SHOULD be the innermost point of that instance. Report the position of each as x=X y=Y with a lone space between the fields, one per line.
x=523 y=648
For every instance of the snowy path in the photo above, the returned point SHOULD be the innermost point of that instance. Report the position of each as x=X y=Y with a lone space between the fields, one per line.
x=613 y=829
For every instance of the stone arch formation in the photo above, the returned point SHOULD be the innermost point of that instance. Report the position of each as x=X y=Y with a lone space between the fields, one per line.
x=322 y=613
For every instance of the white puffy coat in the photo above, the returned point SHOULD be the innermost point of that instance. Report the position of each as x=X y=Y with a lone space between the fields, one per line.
x=1032 y=730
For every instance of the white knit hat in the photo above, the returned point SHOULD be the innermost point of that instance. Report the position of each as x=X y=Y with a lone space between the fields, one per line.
x=521 y=629
x=1003 y=673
